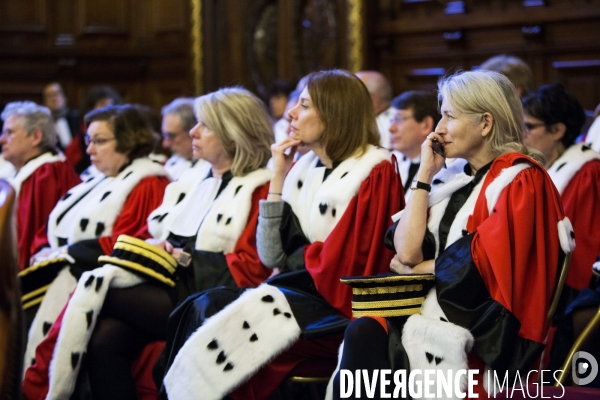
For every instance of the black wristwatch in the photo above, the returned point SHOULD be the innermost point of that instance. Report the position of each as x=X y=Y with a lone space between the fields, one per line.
x=421 y=185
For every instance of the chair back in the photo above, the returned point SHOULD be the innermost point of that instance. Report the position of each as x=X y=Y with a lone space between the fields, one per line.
x=562 y=277
x=11 y=318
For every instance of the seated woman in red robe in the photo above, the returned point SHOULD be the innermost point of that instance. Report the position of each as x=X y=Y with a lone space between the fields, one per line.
x=553 y=120
x=490 y=227
x=89 y=218
x=325 y=219
x=204 y=235
x=40 y=174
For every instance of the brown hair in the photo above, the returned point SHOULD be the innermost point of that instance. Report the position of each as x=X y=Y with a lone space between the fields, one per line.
x=346 y=111
x=131 y=128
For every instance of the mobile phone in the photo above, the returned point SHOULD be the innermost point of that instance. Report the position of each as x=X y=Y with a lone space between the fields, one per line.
x=437 y=147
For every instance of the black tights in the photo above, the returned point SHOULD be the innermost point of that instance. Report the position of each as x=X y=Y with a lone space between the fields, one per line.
x=130 y=319
x=365 y=347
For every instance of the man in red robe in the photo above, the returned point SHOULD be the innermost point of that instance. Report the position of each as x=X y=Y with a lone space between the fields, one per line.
x=42 y=174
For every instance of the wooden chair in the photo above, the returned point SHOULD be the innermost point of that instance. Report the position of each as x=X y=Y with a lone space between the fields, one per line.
x=11 y=326
x=590 y=328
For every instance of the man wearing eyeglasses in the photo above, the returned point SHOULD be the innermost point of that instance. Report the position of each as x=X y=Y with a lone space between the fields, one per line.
x=177 y=120
x=42 y=175
x=416 y=116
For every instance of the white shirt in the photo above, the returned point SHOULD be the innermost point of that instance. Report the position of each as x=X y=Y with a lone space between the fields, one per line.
x=384 y=121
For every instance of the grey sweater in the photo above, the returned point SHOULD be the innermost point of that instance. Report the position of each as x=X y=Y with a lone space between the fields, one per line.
x=268 y=237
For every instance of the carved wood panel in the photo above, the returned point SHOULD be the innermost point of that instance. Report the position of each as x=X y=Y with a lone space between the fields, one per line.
x=414 y=42
x=137 y=46
x=23 y=15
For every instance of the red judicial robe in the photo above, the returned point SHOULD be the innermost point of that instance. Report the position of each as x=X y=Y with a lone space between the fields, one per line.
x=38 y=195
x=581 y=202
x=354 y=247
x=142 y=200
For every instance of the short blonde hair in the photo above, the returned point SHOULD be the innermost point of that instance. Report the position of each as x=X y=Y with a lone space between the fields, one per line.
x=474 y=93
x=242 y=125
x=346 y=111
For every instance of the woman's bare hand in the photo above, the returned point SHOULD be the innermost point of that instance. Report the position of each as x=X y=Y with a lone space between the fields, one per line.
x=282 y=159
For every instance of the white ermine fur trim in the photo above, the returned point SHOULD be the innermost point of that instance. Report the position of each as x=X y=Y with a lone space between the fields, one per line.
x=232 y=345
x=434 y=344
x=494 y=189
x=90 y=209
x=216 y=221
x=596 y=268
x=566 y=235
x=78 y=324
x=449 y=181
x=228 y=215
x=54 y=301
x=329 y=391
x=569 y=163
x=28 y=169
x=175 y=193
x=431 y=308
x=319 y=204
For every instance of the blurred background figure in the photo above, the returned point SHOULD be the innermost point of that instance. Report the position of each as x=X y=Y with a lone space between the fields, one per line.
x=177 y=120
x=42 y=174
x=416 y=116
x=100 y=97
x=65 y=120
x=381 y=95
x=515 y=69
x=278 y=98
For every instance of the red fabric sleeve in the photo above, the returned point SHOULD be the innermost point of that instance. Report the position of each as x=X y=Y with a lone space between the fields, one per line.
x=581 y=202
x=142 y=200
x=516 y=248
x=244 y=263
x=356 y=244
x=39 y=194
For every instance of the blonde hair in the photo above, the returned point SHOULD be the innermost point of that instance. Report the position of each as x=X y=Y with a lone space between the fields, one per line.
x=242 y=125
x=346 y=111
x=474 y=93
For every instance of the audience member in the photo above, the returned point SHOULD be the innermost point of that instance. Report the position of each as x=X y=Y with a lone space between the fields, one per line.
x=278 y=98
x=324 y=219
x=489 y=230
x=553 y=120
x=593 y=134
x=96 y=97
x=99 y=97
x=88 y=220
x=42 y=174
x=381 y=96
x=177 y=121
x=515 y=69
x=210 y=231
x=66 y=121
x=416 y=117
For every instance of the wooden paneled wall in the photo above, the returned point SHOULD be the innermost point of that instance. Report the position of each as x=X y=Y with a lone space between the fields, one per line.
x=414 y=42
x=143 y=47
x=140 y=47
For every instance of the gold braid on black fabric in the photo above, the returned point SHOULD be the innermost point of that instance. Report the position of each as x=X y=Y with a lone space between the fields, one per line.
x=142 y=258
x=388 y=295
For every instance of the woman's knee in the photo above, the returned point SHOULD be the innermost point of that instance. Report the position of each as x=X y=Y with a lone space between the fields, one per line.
x=362 y=329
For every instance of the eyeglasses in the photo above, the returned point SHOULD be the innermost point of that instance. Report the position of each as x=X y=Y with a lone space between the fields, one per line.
x=398 y=119
x=170 y=136
x=96 y=141
x=529 y=126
